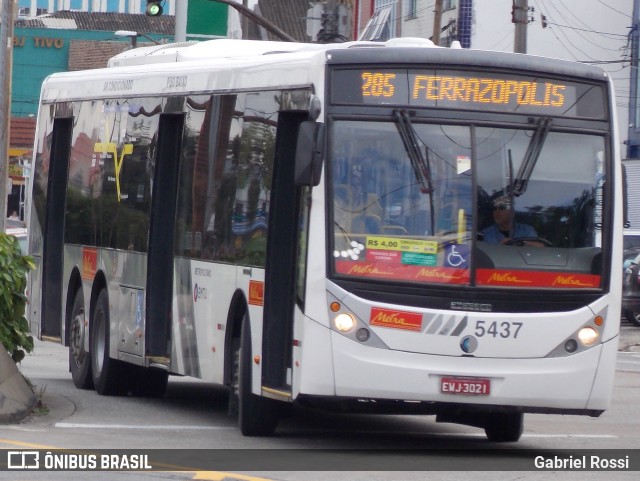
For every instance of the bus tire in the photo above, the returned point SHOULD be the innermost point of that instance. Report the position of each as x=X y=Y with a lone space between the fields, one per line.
x=109 y=375
x=79 y=358
x=257 y=415
x=504 y=427
x=149 y=382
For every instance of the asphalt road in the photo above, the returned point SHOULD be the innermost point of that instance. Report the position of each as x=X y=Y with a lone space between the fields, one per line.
x=193 y=415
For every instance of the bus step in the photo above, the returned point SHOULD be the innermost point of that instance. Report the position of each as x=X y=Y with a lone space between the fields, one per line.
x=277 y=394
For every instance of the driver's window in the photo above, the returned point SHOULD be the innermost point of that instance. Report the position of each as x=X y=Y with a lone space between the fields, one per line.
x=557 y=203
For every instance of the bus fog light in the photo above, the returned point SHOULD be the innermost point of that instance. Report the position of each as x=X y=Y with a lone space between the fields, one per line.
x=571 y=345
x=588 y=336
x=344 y=322
x=363 y=335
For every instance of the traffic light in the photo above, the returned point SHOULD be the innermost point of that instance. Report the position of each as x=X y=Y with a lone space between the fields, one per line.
x=154 y=8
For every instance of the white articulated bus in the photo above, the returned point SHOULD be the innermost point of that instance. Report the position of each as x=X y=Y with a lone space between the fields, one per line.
x=381 y=227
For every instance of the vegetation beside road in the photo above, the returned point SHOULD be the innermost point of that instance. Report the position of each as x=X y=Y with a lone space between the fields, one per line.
x=14 y=327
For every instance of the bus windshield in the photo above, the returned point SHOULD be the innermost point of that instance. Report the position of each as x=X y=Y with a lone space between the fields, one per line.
x=455 y=204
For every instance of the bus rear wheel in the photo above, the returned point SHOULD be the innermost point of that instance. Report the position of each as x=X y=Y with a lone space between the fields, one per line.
x=79 y=358
x=109 y=375
x=504 y=427
x=257 y=415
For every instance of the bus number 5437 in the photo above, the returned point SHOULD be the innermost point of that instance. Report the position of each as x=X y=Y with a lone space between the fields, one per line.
x=505 y=329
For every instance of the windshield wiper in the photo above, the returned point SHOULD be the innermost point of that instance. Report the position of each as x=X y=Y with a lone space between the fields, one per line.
x=519 y=184
x=420 y=163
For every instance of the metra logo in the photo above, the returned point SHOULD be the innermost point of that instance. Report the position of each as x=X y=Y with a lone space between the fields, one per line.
x=435 y=273
x=507 y=277
x=199 y=293
x=410 y=321
x=570 y=281
x=366 y=269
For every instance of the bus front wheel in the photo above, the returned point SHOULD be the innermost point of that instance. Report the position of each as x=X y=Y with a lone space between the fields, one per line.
x=149 y=382
x=257 y=415
x=79 y=358
x=109 y=377
x=504 y=427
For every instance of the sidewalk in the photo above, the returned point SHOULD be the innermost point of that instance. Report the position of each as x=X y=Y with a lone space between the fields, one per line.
x=629 y=337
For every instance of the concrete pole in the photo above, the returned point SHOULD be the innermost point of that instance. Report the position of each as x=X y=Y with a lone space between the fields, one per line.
x=9 y=9
x=521 y=19
x=244 y=21
x=633 y=141
x=181 y=20
x=437 y=22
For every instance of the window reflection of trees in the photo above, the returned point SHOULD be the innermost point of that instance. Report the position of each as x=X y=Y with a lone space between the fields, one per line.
x=226 y=175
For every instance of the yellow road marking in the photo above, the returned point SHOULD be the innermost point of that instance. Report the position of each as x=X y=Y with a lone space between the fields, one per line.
x=220 y=476
x=25 y=445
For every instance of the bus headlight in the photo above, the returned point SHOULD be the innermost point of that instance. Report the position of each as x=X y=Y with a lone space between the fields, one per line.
x=588 y=336
x=344 y=322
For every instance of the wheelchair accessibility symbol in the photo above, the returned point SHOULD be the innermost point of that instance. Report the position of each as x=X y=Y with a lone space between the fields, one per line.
x=457 y=255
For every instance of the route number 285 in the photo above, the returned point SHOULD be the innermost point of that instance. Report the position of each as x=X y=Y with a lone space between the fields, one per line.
x=376 y=84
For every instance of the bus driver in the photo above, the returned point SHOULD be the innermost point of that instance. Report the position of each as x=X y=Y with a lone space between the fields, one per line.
x=505 y=229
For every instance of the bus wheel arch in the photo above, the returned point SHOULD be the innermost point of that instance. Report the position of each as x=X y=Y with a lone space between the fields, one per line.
x=257 y=415
x=77 y=334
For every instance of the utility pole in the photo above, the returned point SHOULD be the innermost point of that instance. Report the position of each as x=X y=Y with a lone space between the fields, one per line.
x=180 y=34
x=6 y=61
x=244 y=22
x=437 y=22
x=633 y=132
x=520 y=17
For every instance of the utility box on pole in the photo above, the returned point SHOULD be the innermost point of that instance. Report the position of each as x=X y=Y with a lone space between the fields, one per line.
x=314 y=20
x=329 y=20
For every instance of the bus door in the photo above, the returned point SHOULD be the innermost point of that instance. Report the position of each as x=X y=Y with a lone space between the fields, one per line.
x=282 y=254
x=53 y=232
x=159 y=292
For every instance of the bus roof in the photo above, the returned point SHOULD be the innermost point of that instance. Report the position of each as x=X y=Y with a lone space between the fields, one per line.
x=239 y=49
x=206 y=66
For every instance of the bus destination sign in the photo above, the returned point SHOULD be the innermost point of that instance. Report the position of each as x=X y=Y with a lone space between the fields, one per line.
x=462 y=90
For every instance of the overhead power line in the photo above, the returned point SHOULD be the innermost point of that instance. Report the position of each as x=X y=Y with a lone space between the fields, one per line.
x=586 y=30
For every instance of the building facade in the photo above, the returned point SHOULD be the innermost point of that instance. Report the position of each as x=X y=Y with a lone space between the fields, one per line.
x=57 y=42
x=33 y=8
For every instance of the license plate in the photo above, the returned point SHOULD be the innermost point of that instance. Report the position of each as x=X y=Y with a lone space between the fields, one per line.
x=465 y=386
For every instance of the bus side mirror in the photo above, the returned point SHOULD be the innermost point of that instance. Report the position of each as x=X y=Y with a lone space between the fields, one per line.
x=309 y=153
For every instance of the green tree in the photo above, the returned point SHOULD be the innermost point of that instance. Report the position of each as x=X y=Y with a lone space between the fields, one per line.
x=14 y=327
